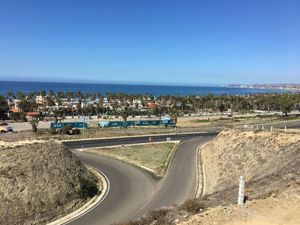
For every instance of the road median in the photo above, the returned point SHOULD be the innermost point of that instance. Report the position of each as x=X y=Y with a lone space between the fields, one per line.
x=151 y=157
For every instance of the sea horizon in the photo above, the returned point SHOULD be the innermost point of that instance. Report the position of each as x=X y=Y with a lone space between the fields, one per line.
x=129 y=88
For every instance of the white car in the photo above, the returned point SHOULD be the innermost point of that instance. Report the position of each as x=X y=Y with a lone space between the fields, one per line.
x=104 y=124
x=6 y=129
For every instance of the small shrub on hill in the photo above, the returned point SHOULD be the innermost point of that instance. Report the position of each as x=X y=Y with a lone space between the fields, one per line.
x=87 y=189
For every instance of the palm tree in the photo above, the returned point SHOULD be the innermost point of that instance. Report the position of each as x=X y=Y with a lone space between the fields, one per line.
x=175 y=116
x=3 y=108
x=124 y=115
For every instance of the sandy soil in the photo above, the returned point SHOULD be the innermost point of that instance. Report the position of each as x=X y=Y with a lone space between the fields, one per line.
x=11 y=145
x=263 y=156
x=282 y=209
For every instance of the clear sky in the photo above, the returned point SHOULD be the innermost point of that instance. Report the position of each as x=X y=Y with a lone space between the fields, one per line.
x=151 y=41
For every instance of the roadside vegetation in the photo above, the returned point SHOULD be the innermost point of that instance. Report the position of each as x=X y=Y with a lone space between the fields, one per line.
x=56 y=106
x=154 y=156
x=184 y=124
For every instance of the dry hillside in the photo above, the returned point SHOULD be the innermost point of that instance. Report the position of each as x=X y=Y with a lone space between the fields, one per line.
x=267 y=160
x=281 y=209
x=41 y=182
x=270 y=163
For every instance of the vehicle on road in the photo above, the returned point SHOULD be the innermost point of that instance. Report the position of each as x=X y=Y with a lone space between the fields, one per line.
x=104 y=124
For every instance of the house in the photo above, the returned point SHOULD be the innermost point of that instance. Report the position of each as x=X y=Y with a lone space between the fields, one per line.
x=40 y=100
x=152 y=105
x=33 y=114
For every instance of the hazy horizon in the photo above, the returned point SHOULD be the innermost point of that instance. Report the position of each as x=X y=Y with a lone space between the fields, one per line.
x=146 y=83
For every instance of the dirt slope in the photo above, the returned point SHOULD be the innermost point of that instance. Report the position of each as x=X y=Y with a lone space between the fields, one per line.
x=270 y=163
x=41 y=182
x=267 y=160
x=282 y=209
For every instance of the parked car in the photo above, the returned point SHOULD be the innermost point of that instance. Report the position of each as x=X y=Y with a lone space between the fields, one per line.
x=6 y=129
x=103 y=124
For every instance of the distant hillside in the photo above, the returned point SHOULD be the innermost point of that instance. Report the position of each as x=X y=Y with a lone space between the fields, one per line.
x=40 y=183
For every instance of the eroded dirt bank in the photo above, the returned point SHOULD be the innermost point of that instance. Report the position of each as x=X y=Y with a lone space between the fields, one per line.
x=270 y=164
x=41 y=182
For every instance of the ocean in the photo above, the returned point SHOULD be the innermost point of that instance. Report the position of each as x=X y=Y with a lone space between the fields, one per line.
x=155 y=90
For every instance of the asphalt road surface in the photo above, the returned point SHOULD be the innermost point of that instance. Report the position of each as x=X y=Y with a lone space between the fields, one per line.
x=134 y=192
x=77 y=144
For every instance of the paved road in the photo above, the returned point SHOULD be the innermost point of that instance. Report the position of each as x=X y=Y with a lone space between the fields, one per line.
x=135 y=192
x=179 y=184
x=77 y=144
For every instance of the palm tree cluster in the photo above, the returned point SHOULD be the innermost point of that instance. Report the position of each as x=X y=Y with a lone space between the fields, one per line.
x=60 y=104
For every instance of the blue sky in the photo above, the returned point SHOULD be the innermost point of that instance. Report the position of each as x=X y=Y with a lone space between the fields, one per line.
x=157 y=41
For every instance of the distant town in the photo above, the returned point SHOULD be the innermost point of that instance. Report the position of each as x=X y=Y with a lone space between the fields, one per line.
x=20 y=106
x=288 y=87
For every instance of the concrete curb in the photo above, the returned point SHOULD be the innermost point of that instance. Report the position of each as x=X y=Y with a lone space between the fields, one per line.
x=200 y=175
x=170 y=156
x=119 y=146
x=90 y=205
x=133 y=136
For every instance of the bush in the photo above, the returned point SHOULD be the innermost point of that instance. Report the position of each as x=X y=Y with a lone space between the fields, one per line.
x=19 y=116
x=88 y=188
x=75 y=131
x=53 y=131
x=160 y=216
x=192 y=206
x=66 y=129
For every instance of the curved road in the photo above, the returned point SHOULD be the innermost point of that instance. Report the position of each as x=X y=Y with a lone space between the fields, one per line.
x=134 y=192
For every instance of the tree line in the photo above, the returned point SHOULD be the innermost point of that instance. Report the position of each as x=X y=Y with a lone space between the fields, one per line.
x=136 y=105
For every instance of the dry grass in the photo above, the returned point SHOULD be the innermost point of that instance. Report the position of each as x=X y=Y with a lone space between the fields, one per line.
x=154 y=156
x=278 y=209
x=169 y=216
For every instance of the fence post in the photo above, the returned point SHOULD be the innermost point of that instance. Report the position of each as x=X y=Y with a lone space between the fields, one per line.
x=241 y=191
